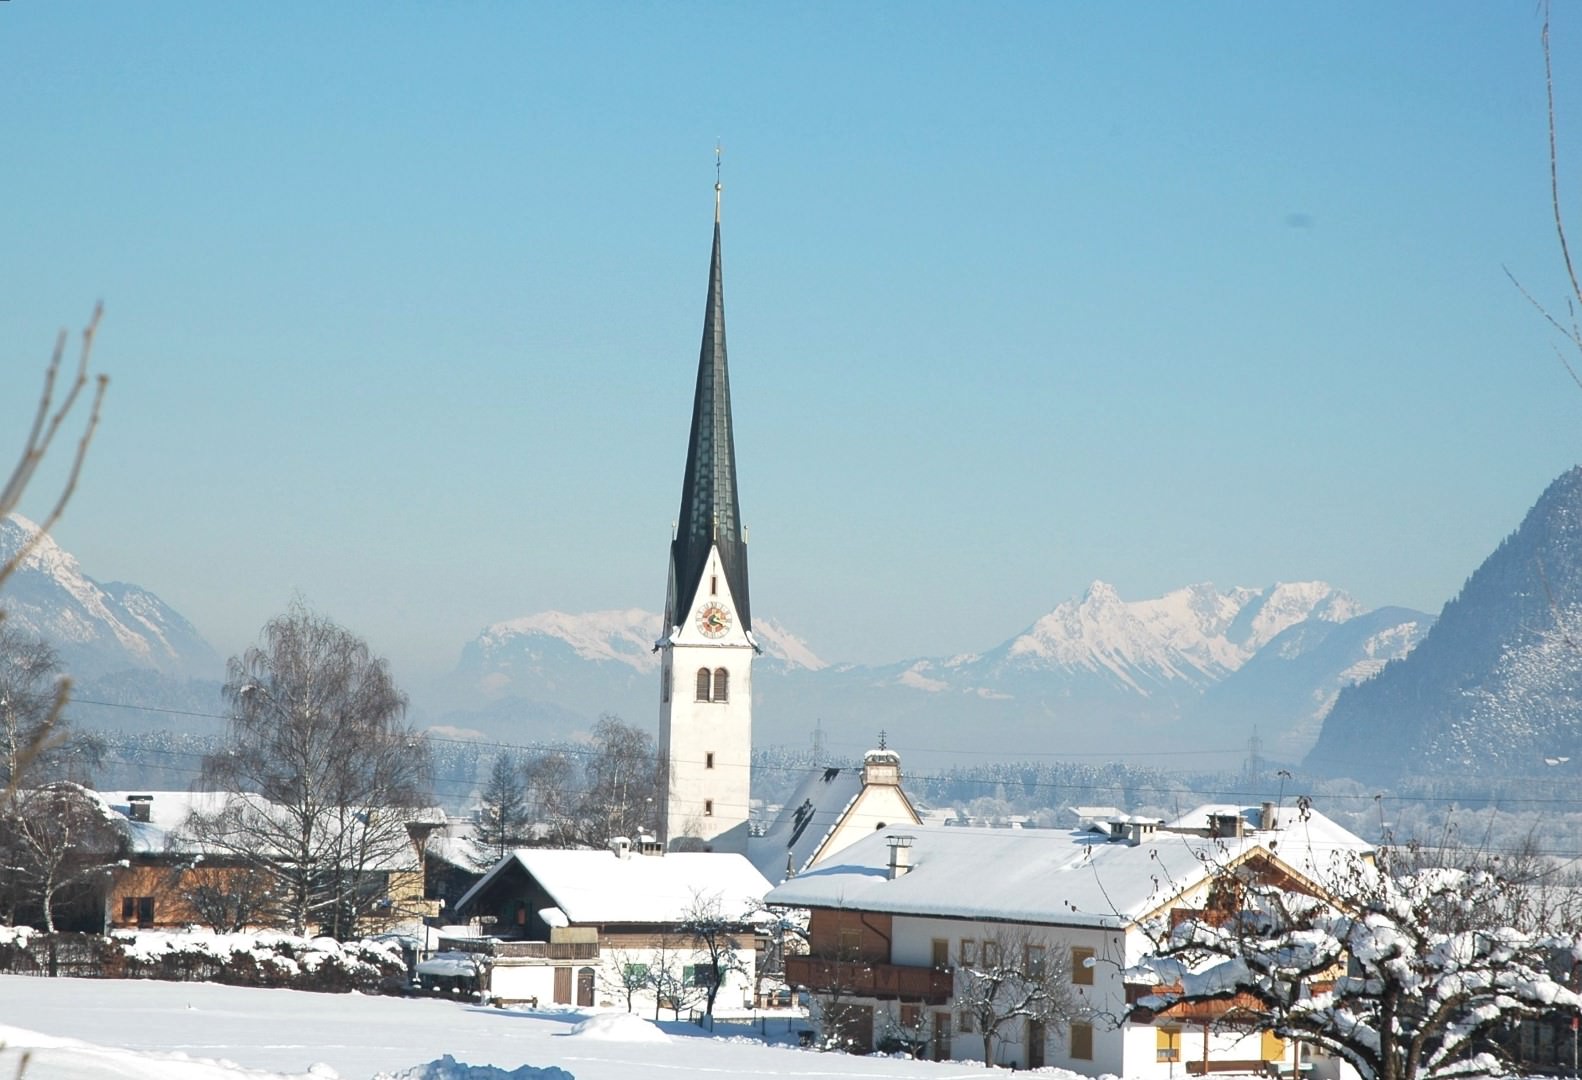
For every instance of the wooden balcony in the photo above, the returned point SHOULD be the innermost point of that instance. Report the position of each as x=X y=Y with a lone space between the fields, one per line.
x=861 y=978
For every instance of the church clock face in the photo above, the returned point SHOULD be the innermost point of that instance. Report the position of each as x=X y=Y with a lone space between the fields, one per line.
x=714 y=620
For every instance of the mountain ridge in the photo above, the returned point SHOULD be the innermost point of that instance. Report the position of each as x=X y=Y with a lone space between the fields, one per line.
x=1494 y=686
x=96 y=628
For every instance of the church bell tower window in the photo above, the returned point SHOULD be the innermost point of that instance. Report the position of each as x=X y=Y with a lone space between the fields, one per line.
x=703 y=684
x=722 y=685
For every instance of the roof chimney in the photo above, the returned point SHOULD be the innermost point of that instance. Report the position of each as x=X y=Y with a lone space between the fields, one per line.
x=1140 y=832
x=900 y=855
x=1225 y=826
x=1268 y=818
x=139 y=807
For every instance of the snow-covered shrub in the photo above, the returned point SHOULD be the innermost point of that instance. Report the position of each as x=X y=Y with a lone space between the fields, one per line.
x=263 y=959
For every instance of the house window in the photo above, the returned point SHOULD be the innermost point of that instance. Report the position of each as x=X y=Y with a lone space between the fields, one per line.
x=703 y=684
x=722 y=685
x=990 y=954
x=1081 y=973
x=1033 y=960
x=1168 y=1043
x=912 y=1017
x=850 y=944
x=940 y=954
x=635 y=973
x=139 y=908
x=708 y=807
x=969 y=951
x=708 y=760
x=1081 y=1042
x=964 y=1024
x=700 y=975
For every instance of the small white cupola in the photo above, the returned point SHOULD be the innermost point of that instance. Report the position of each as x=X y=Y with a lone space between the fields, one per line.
x=881 y=765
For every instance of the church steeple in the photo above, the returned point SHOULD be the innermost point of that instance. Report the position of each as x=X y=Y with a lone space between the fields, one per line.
x=706 y=645
x=710 y=515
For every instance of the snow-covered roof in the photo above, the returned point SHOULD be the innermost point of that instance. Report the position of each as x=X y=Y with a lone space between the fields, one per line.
x=456 y=845
x=1038 y=876
x=1085 y=814
x=603 y=887
x=805 y=822
x=161 y=834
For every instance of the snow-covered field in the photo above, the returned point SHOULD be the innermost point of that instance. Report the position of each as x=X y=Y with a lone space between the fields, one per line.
x=90 y=1029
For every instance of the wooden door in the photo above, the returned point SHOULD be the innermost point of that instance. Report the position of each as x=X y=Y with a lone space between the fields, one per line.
x=584 y=986
x=942 y=1036
x=563 y=986
x=1036 y=1037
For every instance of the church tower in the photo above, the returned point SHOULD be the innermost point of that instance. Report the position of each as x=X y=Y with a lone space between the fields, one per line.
x=706 y=644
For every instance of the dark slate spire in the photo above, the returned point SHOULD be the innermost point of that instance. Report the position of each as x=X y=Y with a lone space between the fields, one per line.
x=710 y=514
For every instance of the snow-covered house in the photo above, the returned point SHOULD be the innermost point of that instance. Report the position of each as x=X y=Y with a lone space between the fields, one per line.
x=585 y=927
x=830 y=810
x=167 y=870
x=898 y=917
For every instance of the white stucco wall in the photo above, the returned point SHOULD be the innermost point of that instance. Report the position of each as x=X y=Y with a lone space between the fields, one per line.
x=877 y=806
x=1105 y=999
x=520 y=980
x=690 y=730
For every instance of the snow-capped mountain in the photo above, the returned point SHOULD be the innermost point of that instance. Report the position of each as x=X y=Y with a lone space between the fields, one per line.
x=1062 y=685
x=1495 y=689
x=1196 y=635
x=97 y=628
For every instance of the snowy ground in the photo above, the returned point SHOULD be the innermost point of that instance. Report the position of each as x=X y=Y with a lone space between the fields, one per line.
x=90 y=1029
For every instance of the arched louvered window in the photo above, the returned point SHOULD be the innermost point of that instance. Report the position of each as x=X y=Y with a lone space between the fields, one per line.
x=703 y=684
x=722 y=685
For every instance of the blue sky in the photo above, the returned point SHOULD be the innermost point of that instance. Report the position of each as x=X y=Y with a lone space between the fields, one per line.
x=403 y=301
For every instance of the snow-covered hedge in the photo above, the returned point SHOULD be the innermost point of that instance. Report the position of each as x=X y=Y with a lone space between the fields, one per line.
x=260 y=959
x=264 y=959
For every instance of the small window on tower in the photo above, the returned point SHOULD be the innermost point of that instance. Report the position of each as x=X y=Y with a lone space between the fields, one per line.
x=708 y=807
x=714 y=584
x=722 y=685
x=708 y=760
x=703 y=684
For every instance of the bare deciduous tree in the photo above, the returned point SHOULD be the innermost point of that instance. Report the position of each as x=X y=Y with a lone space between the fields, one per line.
x=1016 y=979
x=627 y=973
x=56 y=405
x=667 y=976
x=323 y=775
x=33 y=733
x=620 y=783
x=715 y=938
x=551 y=794
x=63 y=838
x=226 y=899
